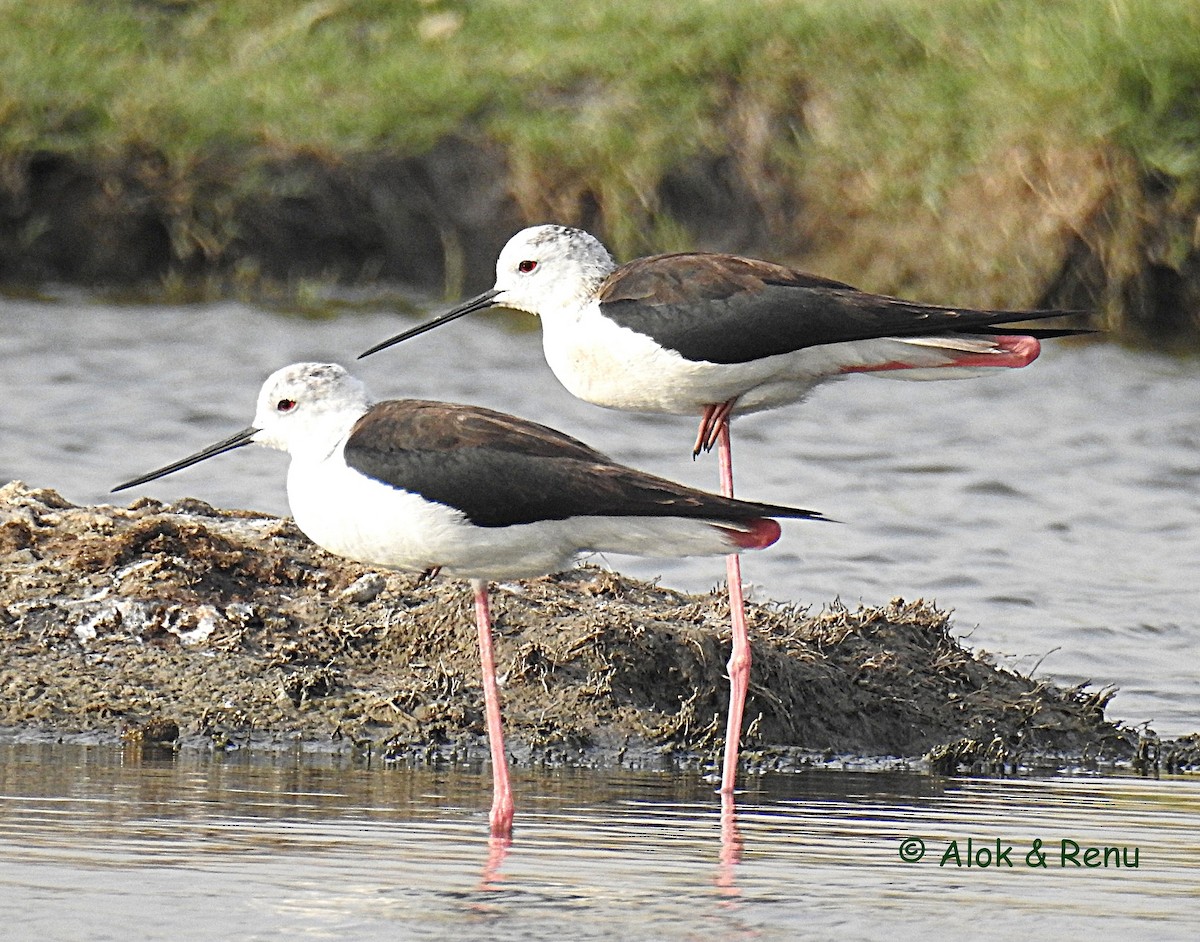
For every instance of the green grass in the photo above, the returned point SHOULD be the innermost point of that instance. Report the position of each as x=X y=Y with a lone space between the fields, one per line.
x=606 y=96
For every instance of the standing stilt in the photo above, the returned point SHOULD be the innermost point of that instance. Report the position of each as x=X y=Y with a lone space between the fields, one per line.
x=419 y=485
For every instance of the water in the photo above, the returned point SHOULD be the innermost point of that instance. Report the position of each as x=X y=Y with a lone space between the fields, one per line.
x=96 y=844
x=1055 y=509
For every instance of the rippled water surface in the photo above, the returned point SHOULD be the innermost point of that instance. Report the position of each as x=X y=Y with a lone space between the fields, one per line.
x=99 y=844
x=1055 y=509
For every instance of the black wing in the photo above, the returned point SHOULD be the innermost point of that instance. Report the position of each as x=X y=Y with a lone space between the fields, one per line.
x=728 y=309
x=500 y=470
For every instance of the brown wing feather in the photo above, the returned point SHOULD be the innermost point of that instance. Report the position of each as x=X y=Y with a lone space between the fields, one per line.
x=425 y=425
x=500 y=470
x=728 y=309
x=685 y=277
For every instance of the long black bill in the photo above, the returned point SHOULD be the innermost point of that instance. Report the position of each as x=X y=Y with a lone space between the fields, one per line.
x=244 y=437
x=475 y=304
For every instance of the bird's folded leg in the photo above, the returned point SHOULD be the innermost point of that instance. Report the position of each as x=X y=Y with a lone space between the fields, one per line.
x=716 y=417
x=428 y=575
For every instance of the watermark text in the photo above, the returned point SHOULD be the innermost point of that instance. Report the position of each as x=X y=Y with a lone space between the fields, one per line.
x=997 y=854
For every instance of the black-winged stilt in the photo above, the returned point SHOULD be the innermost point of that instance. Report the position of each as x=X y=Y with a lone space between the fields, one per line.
x=417 y=485
x=712 y=334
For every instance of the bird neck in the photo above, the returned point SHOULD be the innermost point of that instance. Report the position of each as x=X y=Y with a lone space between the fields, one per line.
x=323 y=438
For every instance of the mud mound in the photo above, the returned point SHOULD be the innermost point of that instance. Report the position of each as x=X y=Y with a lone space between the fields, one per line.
x=184 y=621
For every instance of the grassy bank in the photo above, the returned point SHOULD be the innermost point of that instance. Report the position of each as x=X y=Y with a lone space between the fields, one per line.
x=849 y=110
x=610 y=88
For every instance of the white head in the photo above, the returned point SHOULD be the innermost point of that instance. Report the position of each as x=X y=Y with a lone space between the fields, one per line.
x=544 y=269
x=303 y=409
x=549 y=271
x=308 y=405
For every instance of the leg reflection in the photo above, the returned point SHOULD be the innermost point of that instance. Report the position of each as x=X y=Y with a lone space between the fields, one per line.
x=731 y=851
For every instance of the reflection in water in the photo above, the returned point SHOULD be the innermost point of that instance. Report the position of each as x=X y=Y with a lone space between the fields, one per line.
x=497 y=851
x=731 y=849
x=96 y=843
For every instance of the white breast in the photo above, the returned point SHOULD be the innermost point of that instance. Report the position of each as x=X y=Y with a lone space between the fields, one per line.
x=360 y=518
x=601 y=362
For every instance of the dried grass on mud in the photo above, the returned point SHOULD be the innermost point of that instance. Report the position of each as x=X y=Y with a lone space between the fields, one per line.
x=231 y=626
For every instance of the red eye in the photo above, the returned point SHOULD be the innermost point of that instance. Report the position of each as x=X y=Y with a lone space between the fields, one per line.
x=526 y=266
x=285 y=405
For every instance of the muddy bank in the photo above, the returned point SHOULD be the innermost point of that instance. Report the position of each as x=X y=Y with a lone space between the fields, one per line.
x=230 y=221
x=1055 y=225
x=191 y=623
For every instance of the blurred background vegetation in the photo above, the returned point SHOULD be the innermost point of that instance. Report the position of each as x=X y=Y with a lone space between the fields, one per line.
x=989 y=152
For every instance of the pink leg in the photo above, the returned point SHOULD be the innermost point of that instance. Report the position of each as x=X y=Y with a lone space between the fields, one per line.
x=502 y=799
x=739 y=658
